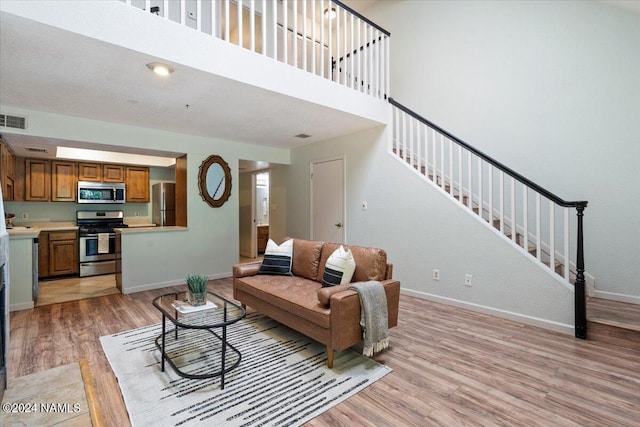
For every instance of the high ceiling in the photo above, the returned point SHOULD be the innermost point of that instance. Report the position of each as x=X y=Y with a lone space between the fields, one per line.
x=46 y=69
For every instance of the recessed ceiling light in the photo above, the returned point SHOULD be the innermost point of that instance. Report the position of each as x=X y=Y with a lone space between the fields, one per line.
x=330 y=13
x=302 y=136
x=160 y=69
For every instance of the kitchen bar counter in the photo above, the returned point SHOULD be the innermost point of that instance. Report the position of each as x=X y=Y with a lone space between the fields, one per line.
x=30 y=227
x=23 y=233
x=149 y=229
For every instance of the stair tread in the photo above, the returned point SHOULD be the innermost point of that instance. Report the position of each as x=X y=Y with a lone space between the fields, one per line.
x=614 y=313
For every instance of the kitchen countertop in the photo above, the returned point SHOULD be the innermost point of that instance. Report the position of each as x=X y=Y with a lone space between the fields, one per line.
x=32 y=230
x=150 y=229
x=23 y=233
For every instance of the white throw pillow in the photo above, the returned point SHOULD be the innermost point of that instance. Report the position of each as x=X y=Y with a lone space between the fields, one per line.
x=339 y=268
x=277 y=259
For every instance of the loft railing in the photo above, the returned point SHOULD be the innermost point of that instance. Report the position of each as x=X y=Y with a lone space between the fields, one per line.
x=322 y=37
x=533 y=218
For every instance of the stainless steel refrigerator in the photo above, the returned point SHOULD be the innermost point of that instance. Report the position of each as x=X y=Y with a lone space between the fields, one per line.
x=164 y=204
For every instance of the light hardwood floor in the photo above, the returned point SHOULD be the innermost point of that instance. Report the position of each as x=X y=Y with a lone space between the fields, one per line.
x=452 y=367
x=75 y=288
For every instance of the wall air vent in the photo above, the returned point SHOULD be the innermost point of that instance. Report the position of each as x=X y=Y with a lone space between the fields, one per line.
x=14 y=122
x=35 y=150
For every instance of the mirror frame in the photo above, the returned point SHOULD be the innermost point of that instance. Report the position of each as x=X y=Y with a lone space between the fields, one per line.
x=202 y=181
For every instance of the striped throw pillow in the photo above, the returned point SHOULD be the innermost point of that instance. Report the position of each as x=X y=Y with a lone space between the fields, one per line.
x=339 y=268
x=277 y=259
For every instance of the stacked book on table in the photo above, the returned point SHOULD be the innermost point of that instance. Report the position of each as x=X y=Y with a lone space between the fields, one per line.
x=185 y=307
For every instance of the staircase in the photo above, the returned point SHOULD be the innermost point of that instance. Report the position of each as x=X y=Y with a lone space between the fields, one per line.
x=614 y=322
x=536 y=222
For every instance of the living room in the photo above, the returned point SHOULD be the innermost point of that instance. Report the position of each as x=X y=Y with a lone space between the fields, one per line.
x=474 y=78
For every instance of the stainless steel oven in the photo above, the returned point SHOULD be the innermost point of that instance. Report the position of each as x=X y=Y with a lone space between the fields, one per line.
x=93 y=261
x=97 y=243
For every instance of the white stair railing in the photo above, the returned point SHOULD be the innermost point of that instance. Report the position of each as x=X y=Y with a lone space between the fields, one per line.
x=322 y=37
x=534 y=219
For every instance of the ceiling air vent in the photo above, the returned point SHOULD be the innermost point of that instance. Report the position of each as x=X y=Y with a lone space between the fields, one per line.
x=14 y=122
x=35 y=150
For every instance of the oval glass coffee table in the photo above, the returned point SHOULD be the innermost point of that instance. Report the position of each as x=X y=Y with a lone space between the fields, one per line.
x=194 y=348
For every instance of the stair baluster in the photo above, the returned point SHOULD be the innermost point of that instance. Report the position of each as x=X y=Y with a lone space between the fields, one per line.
x=432 y=155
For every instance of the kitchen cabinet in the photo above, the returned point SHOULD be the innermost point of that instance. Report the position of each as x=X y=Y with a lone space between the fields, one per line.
x=89 y=172
x=58 y=253
x=7 y=171
x=43 y=254
x=113 y=173
x=63 y=181
x=263 y=237
x=37 y=180
x=137 y=182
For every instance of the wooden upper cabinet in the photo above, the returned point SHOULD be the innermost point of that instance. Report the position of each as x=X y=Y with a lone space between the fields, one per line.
x=113 y=173
x=63 y=181
x=137 y=182
x=7 y=171
x=90 y=172
x=37 y=180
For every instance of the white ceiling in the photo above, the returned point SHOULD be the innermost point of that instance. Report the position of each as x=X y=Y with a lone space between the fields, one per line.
x=47 y=69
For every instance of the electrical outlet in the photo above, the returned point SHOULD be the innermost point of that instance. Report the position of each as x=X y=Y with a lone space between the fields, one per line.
x=25 y=215
x=467 y=280
x=436 y=274
x=364 y=205
x=137 y=214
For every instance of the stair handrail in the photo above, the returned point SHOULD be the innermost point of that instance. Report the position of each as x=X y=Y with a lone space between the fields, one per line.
x=494 y=162
x=361 y=17
x=580 y=301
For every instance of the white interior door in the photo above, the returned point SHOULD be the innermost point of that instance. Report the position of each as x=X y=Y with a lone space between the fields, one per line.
x=328 y=200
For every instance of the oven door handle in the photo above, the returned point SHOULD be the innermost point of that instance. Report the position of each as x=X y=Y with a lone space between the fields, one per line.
x=94 y=235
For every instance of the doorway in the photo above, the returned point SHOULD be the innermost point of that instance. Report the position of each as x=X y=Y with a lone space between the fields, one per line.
x=328 y=200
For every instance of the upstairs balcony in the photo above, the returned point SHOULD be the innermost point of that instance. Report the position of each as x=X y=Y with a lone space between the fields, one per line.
x=258 y=71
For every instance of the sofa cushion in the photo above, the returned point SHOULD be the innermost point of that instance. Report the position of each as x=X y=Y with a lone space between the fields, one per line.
x=293 y=294
x=371 y=263
x=306 y=258
x=339 y=268
x=277 y=259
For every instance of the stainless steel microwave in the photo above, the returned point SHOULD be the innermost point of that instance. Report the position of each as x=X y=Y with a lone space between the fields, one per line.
x=100 y=192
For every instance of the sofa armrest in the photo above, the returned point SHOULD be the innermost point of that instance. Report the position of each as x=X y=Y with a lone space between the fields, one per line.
x=345 y=314
x=325 y=293
x=247 y=269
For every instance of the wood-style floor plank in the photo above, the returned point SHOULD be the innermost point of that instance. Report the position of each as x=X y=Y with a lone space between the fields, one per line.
x=451 y=366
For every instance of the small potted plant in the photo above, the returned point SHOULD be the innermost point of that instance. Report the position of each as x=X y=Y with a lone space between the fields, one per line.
x=197 y=289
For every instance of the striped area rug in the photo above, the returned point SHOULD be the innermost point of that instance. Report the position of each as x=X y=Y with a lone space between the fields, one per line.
x=282 y=379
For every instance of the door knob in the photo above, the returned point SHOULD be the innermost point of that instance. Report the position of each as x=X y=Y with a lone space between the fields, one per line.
x=339 y=225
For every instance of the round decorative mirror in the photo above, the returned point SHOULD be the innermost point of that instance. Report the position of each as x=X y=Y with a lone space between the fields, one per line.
x=214 y=181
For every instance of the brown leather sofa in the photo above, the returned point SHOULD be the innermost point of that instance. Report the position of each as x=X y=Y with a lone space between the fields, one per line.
x=329 y=315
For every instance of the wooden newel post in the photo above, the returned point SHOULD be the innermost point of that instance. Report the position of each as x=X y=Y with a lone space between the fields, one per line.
x=580 y=294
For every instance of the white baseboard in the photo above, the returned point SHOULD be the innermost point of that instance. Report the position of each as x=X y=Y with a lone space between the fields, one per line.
x=159 y=285
x=631 y=299
x=529 y=320
x=21 y=306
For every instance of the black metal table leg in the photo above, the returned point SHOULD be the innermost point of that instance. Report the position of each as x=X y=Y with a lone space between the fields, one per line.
x=224 y=346
x=163 y=354
x=224 y=354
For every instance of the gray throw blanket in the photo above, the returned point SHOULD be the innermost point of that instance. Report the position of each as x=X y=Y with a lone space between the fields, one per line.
x=373 y=316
